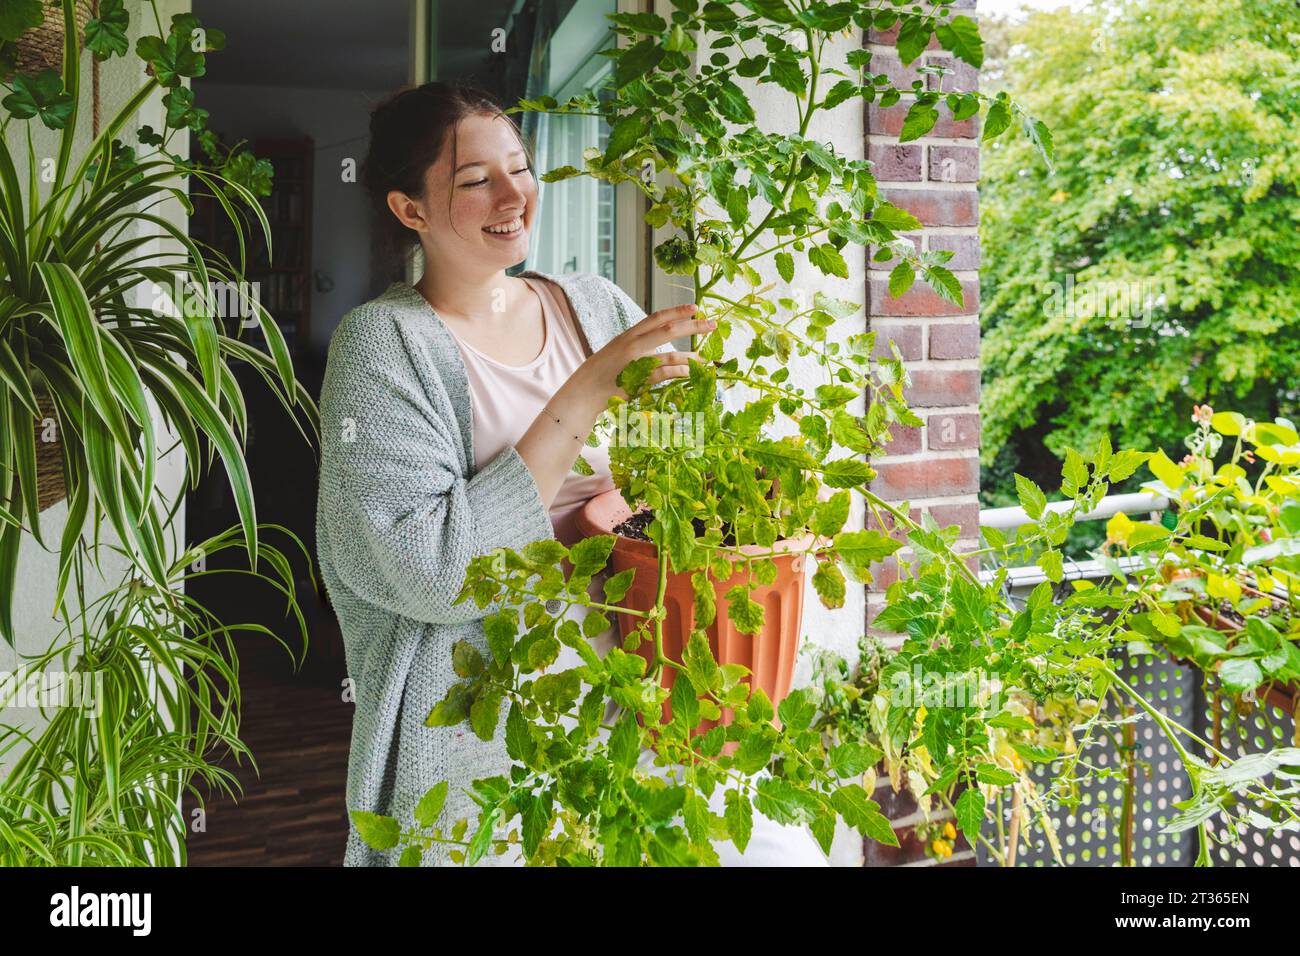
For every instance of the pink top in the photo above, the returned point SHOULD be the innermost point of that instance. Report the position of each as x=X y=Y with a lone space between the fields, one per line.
x=507 y=398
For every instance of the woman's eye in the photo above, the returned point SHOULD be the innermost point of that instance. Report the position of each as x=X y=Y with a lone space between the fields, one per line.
x=480 y=182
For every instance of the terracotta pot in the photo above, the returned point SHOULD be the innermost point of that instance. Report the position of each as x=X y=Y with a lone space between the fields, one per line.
x=769 y=655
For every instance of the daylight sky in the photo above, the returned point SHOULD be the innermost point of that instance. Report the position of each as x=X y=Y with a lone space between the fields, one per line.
x=1004 y=7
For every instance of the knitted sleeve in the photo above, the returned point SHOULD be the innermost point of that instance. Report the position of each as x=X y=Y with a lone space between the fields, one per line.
x=403 y=520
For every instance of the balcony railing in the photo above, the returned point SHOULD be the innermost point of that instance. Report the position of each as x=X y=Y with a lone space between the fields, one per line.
x=1009 y=519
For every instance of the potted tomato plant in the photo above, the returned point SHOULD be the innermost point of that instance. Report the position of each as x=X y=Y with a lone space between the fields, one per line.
x=730 y=485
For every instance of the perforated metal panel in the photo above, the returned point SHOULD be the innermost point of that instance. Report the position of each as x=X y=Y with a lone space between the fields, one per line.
x=1267 y=727
x=1090 y=833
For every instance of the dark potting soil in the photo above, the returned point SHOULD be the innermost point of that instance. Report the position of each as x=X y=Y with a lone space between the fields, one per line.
x=634 y=527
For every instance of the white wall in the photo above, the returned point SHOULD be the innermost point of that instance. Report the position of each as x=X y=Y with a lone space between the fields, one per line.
x=339 y=122
x=840 y=629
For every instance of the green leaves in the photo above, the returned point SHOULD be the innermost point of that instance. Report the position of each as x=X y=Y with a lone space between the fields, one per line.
x=172 y=59
x=744 y=612
x=913 y=37
x=636 y=61
x=863 y=814
x=430 y=806
x=624 y=135
x=452 y=709
x=861 y=549
x=485 y=712
x=945 y=284
x=700 y=664
x=998 y=118
x=739 y=816
x=894 y=218
x=828 y=259
x=852 y=758
x=636 y=374
x=19 y=16
x=1031 y=497
x=828 y=582
x=732 y=102
x=901 y=278
x=1164 y=469
x=831 y=514
x=466 y=661
x=847 y=473
x=970 y=813
x=625 y=743
x=961 y=36
x=378 y=832
x=106 y=33
x=42 y=95
x=920 y=119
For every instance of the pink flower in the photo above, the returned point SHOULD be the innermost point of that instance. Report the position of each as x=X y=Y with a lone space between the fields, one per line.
x=1201 y=414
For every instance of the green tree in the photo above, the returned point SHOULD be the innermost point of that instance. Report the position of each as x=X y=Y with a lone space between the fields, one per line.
x=1177 y=162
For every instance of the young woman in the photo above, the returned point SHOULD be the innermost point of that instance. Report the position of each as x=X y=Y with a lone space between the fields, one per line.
x=452 y=414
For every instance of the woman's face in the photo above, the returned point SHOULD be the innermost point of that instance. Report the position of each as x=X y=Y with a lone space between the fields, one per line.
x=492 y=189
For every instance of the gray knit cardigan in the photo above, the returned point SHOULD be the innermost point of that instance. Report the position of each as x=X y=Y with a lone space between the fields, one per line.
x=400 y=513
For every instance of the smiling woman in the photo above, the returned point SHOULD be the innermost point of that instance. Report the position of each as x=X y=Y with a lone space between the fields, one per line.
x=453 y=414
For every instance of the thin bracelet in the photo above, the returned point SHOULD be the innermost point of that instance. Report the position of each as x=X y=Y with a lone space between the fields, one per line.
x=550 y=414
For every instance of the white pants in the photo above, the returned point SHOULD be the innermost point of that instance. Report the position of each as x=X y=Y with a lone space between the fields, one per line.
x=770 y=843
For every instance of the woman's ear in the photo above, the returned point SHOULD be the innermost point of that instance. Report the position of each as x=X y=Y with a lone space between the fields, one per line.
x=407 y=211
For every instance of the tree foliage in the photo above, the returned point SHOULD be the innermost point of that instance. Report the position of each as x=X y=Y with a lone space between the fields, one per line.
x=1177 y=163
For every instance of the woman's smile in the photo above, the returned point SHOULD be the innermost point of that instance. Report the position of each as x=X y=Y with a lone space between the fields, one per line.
x=509 y=229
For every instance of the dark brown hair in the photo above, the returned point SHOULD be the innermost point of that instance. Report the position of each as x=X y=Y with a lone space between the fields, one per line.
x=408 y=131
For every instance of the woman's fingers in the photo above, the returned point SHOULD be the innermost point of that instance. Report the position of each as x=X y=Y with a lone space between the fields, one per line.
x=674 y=323
x=680 y=328
x=673 y=365
x=665 y=372
x=678 y=358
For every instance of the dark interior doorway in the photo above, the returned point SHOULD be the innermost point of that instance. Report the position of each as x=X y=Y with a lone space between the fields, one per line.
x=296 y=81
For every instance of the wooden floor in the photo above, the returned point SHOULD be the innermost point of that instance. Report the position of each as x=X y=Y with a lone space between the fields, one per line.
x=298 y=729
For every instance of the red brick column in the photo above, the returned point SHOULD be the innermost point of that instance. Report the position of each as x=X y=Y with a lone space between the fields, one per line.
x=934 y=467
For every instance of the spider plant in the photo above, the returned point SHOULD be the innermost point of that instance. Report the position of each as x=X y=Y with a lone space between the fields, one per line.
x=101 y=784
x=80 y=314
x=86 y=247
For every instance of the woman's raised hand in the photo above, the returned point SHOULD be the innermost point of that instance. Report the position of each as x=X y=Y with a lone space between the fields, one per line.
x=601 y=370
x=552 y=442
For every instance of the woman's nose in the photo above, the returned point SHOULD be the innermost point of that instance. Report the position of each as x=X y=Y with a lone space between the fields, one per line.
x=514 y=192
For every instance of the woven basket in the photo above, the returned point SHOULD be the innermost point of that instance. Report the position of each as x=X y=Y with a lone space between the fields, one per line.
x=50 y=486
x=41 y=48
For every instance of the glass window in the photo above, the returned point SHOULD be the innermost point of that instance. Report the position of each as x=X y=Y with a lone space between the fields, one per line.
x=576 y=230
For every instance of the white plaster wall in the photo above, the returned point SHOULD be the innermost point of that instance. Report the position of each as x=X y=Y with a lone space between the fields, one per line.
x=37 y=567
x=843 y=128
